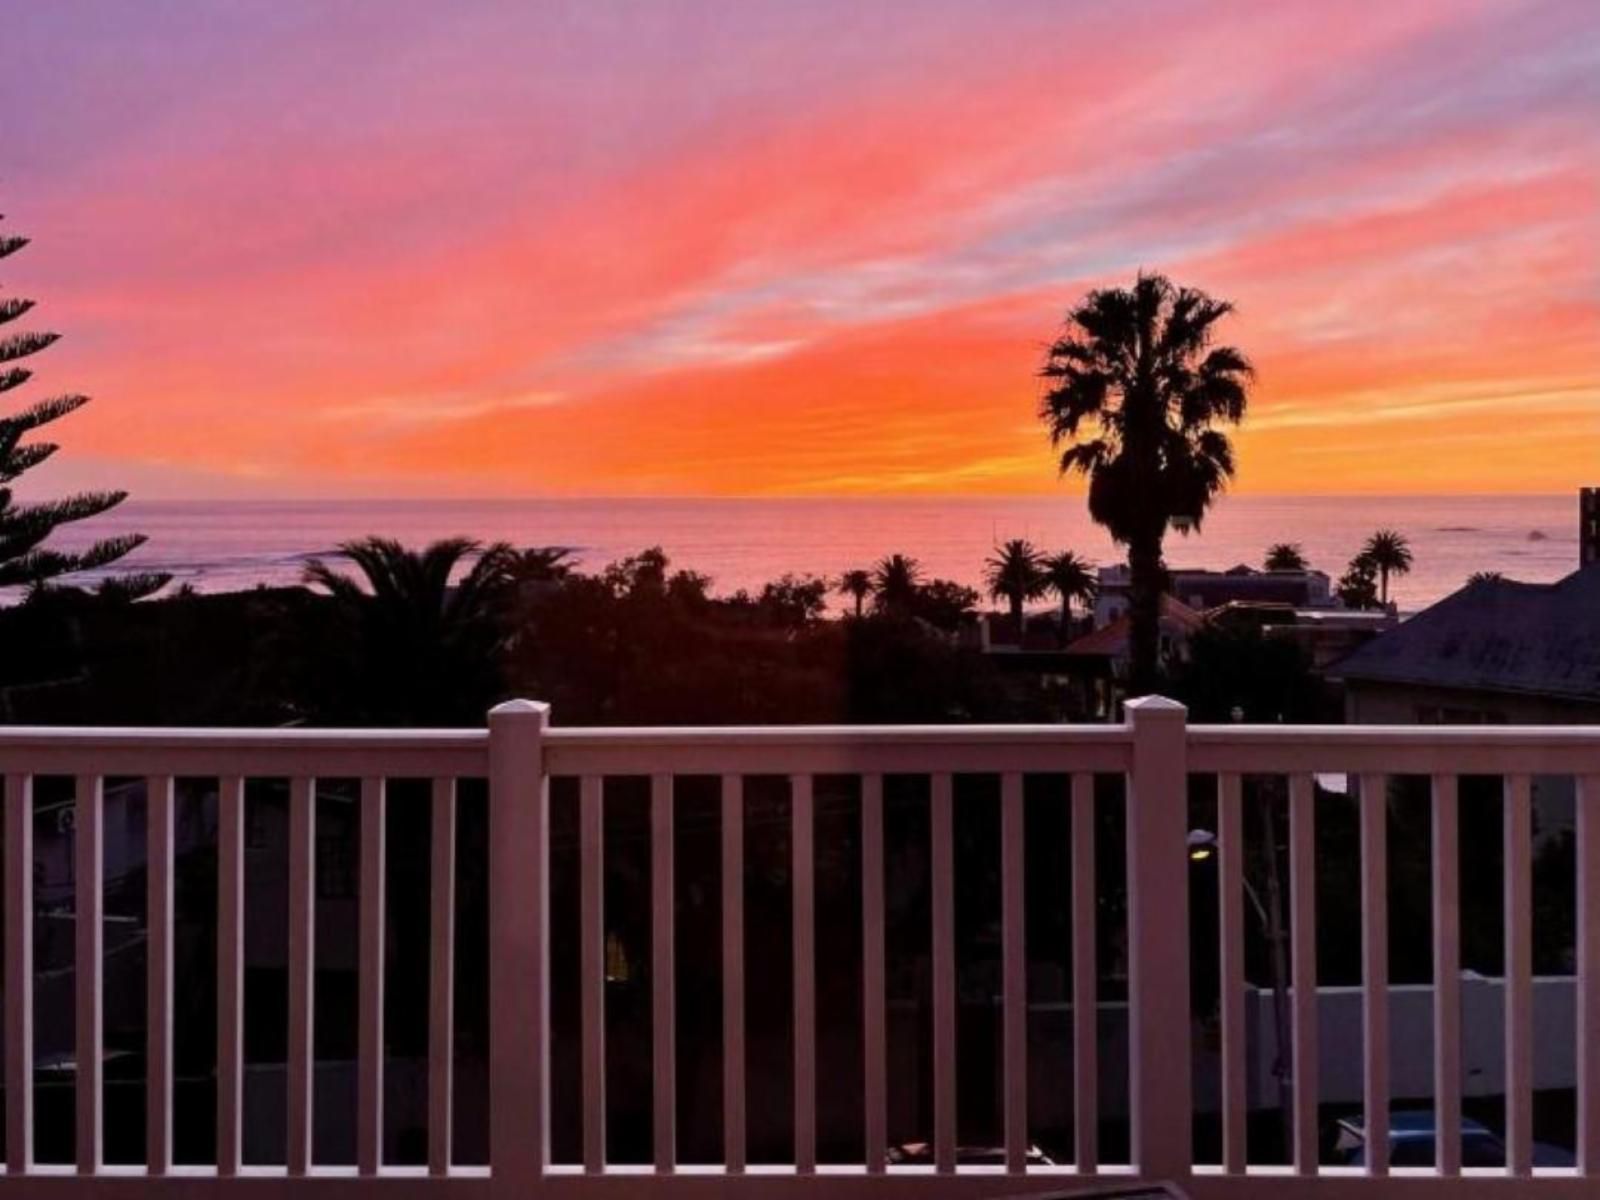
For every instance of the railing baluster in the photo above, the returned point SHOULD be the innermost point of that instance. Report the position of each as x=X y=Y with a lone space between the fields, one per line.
x=942 y=816
x=874 y=1037
x=592 y=962
x=1085 y=983
x=302 y=934
x=1303 y=923
x=89 y=920
x=1446 y=976
x=1518 y=973
x=442 y=976
x=803 y=912
x=1375 y=968
x=19 y=973
x=733 y=1057
x=159 y=806
x=1230 y=907
x=230 y=972
x=663 y=1030
x=1588 y=1032
x=1014 y=956
x=369 y=1049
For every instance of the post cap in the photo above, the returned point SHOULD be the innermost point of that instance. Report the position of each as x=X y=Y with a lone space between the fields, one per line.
x=521 y=710
x=1154 y=706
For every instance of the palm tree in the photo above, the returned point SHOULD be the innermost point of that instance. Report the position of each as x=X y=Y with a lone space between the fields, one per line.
x=1286 y=556
x=425 y=631
x=1071 y=578
x=895 y=581
x=1390 y=553
x=1015 y=573
x=857 y=585
x=537 y=564
x=1136 y=390
x=1478 y=577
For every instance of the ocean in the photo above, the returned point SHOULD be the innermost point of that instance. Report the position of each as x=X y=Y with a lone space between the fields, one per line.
x=222 y=546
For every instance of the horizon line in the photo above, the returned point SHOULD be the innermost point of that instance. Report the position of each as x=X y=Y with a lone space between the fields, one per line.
x=851 y=497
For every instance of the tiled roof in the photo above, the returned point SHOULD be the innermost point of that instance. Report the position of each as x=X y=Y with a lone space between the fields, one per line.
x=1110 y=641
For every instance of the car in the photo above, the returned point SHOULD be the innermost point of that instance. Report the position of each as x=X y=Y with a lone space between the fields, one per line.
x=1413 y=1137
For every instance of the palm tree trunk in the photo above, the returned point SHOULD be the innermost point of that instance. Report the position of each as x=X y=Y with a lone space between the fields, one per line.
x=1066 y=620
x=1383 y=576
x=1144 y=613
x=1016 y=615
x=859 y=599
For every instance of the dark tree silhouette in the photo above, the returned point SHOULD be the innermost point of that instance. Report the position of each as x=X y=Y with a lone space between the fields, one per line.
x=1136 y=390
x=895 y=581
x=856 y=584
x=1286 y=556
x=424 y=627
x=537 y=564
x=1015 y=573
x=24 y=558
x=1070 y=578
x=1390 y=554
x=1358 y=586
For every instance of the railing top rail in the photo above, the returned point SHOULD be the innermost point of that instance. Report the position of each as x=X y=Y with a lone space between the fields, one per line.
x=1396 y=749
x=813 y=749
x=719 y=735
x=65 y=750
x=837 y=749
x=1503 y=734
x=100 y=737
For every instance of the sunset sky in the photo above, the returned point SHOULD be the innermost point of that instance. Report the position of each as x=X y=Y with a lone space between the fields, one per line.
x=754 y=248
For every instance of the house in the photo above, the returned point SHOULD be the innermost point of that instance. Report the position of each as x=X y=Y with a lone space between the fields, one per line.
x=1200 y=589
x=996 y=633
x=1495 y=652
x=1098 y=660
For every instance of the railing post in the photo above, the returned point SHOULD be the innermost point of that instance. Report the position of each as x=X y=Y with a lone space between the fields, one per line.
x=1158 y=938
x=519 y=952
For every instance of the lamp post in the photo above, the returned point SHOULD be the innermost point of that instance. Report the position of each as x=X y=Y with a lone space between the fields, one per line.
x=1203 y=844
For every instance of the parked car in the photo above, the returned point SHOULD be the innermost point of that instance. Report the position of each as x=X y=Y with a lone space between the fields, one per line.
x=1413 y=1142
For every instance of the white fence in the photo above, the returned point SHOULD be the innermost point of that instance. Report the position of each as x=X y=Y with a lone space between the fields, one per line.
x=1155 y=751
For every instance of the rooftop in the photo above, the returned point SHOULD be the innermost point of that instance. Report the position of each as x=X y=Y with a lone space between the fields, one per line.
x=1496 y=635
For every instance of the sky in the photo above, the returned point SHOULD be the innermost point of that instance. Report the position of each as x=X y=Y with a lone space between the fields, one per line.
x=602 y=247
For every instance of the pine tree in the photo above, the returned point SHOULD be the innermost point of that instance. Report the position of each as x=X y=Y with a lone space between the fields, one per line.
x=24 y=527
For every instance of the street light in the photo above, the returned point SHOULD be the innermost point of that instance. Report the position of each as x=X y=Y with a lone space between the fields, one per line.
x=1203 y=844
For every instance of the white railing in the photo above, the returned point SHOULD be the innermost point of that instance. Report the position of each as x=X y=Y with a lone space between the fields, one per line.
x=1156 y=752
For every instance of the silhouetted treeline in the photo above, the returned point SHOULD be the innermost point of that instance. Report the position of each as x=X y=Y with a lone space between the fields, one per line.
x=636 y=643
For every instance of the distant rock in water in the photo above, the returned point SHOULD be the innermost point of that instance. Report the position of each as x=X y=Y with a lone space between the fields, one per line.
x=1537 y=536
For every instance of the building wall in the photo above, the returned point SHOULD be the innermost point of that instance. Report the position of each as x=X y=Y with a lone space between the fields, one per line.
x=1589 y=526
x=1340 y=1040
x=1372 y=703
